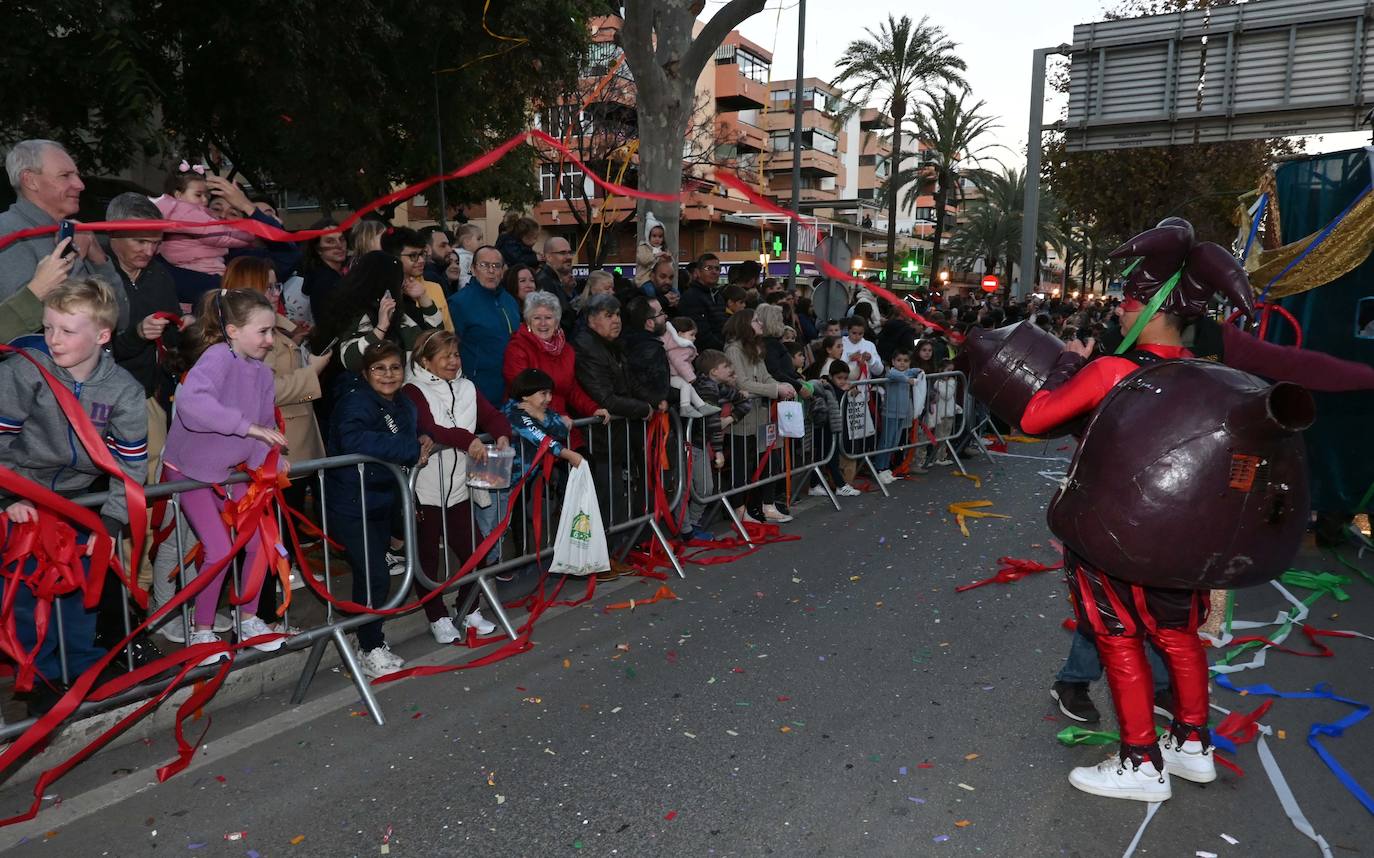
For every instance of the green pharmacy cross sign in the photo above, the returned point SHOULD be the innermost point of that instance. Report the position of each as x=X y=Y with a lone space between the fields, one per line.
x=911 y=269
x=777 y=245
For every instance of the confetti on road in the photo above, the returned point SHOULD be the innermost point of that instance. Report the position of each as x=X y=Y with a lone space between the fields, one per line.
x=963 y=823
x=298 y=840
x=1229 y=839
x=966 y=786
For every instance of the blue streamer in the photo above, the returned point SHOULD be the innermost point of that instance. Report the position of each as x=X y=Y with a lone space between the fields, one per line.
x=1322 y=236
x=1321 y=691
x=1255 y=225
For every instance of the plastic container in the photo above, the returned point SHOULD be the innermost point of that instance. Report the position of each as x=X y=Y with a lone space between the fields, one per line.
x=494 y=471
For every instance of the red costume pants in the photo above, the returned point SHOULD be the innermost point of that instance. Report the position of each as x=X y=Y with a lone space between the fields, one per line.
x=1119 y=615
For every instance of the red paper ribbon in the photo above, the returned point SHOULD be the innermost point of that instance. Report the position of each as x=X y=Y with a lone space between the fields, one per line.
x=1012 y=569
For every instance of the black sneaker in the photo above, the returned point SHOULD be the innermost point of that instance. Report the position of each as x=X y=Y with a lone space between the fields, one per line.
x=1164 y=702
x=1074 y=701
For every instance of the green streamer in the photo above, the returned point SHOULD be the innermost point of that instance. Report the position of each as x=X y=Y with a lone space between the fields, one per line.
x=1075 y=735
x=1148 y=313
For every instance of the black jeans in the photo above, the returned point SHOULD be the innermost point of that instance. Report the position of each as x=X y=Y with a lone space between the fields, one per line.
x=371 y=578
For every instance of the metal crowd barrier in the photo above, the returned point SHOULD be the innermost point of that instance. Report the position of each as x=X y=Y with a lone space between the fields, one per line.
x=624 y=494
x=627 y=507
x=807 y=454
x=862 y=408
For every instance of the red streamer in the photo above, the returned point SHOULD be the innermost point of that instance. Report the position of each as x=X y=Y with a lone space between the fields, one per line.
x=1012 y=569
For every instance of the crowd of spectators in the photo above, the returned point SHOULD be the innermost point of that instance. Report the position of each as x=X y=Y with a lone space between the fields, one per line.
x=405 y=346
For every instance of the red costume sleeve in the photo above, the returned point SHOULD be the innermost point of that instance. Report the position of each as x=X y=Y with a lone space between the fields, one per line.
x=1313 y=370
x=1050 y=408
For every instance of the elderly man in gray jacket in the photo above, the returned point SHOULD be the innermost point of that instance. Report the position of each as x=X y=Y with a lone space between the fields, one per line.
x=48 y=188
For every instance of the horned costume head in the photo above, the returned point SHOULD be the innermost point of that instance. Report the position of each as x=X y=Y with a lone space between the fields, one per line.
x=1204 y=269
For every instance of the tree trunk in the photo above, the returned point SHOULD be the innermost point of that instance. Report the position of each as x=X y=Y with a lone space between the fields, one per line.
x=898 y=112
x=666 y=61
x=661 y=131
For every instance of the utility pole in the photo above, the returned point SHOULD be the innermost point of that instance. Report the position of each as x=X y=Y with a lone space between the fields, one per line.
x=1030 y=209
x=796 y=148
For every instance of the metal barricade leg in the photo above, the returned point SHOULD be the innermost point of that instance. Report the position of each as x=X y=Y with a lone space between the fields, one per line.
x=350 y=660
x=667 y=546
x=312 y=665
x=829 y=492
x=868 y=460
x=739 y=525
x=485 y=585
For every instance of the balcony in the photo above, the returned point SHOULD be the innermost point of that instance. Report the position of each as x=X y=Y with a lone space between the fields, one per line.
x=730 y=129
x=813 y=163
x=735 y=91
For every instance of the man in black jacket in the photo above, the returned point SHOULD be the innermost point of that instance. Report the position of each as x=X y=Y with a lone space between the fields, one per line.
x=701 y=302
x=616 y=451
x=556 y=278
x=644 y=352
x=602 y=368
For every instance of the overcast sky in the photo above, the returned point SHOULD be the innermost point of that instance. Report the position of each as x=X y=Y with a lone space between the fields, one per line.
x=995 y=37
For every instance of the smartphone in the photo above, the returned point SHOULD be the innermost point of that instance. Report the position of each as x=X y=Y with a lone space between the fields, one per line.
x=67 y=229
x=328 y=347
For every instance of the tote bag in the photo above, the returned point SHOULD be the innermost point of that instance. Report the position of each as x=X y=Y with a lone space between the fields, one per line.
x=580 y=546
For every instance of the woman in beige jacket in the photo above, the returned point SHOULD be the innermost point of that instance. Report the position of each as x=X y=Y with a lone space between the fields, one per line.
x=745 y=349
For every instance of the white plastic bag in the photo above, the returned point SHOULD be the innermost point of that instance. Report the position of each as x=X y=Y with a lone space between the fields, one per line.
x=791 y=422
x=579 y=548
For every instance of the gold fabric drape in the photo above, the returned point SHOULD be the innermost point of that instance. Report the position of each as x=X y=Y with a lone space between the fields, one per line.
x=1349 y=244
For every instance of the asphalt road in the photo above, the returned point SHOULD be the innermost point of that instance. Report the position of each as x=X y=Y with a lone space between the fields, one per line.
x=831 y=696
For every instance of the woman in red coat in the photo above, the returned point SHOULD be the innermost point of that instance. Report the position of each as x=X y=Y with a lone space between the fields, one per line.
x=540 y=344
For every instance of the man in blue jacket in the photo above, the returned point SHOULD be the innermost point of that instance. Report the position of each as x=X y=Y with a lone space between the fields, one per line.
x=485 y=316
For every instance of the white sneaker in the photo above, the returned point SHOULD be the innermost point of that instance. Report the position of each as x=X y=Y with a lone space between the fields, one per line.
x=173 y=630
x=475 y=620
x=817 y=492
x=848 y=491
x=771 y=513
x=689 y=411
x=1189 y=760
x=745 y=517
x=1113 y=779
x=444 y=631
x=381 y=662
x=885 y=477
x=943 y=463
x=396 y=563
x=202 y=637
x=252 y=626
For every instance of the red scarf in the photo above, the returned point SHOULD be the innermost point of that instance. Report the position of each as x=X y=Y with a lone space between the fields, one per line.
x=554 y=345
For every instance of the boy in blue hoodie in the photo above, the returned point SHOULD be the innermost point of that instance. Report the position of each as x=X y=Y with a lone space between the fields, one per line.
x=898 y=410
x=37 y=441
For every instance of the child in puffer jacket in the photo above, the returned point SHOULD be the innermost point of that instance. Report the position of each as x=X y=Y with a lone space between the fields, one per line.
x=679 y=341
x=195 y=255
x=715 y=380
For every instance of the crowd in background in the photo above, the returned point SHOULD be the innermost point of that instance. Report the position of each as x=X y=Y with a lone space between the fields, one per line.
x=406 y=346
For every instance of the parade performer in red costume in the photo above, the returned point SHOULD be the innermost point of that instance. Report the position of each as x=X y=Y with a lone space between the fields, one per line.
x=1189 y=475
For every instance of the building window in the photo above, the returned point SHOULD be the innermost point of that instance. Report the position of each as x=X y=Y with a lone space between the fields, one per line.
x=755 y=244
x=552 y=188
x=781 y=99
x=780 y=141
x=727 y=242
x=820 y=141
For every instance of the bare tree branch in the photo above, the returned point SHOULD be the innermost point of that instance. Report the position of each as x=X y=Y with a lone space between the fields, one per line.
x=703 y=47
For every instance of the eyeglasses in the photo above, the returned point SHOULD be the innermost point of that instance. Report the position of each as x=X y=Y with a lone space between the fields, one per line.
x=489 y=266
x=386 y=369
x=275 y=287
x=414 y=255
x=711 y=267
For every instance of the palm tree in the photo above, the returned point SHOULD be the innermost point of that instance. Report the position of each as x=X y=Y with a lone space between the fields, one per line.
x=891 y=66
x=951 y=130
x=993 y=228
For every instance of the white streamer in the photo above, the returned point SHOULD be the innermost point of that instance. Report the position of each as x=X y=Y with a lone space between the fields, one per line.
x=1281 y=788
x=1150 y=812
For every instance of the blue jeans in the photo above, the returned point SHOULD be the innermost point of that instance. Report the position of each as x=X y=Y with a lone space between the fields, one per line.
x=894 y=433
x=1084 y=665
x=77 y=624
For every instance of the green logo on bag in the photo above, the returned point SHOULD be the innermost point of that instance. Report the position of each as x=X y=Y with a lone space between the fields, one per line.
x=581 y=527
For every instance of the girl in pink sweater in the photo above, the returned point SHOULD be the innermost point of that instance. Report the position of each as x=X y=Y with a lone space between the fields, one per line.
x=195 y=255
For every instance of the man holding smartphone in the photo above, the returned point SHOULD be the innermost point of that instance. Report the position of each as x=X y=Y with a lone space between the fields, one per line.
x=48 y=189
